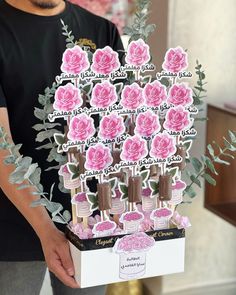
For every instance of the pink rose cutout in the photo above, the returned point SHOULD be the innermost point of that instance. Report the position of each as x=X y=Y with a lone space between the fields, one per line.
x=98 y=157
x=75 y=61
x=67 y=98
x=81 y=128
x=180 y=94
x=163 y=146
x=134 y=149
x=177 y=119
x=147 y=124
x=138 y=53
x=155 y=94
x=176 y=60
x=132 y=96
x=105 y=61
x=111 y=126
x=103 y=95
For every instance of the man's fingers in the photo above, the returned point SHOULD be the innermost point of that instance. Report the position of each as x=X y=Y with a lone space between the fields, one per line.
x=62 y=275
x=66 y=260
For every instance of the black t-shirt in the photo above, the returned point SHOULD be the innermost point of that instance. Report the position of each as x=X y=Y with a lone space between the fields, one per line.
x=31 y=49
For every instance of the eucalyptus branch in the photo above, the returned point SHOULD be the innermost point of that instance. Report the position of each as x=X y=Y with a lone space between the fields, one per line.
x=26 y=171
x=199 y=88
x=201 y=166
x=70 y=38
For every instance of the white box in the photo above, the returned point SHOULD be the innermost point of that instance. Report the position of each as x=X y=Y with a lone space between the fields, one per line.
x=101 y=266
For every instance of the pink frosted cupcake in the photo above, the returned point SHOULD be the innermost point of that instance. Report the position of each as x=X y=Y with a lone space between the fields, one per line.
x=117 y=205
x=177 y=192
x=68 y=182
x=131 y=221
x=82 y=205
x=104 y=228
x=161 y=218
x=132 y=250
x=149 y=203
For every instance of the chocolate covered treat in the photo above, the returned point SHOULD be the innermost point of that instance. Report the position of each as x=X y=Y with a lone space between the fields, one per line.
x=155 y=171
x=181 y=151
x=131 y=129
x=104 y=196
x=165 y=187
x=116 y=157
x=135 y=189
x=81 y=159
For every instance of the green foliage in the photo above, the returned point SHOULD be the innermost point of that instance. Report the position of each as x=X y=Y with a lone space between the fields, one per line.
x=140 y=28
x=69 y=37
x=154 y=185
x=26 y=175
x=93 y=200
x=124 y=191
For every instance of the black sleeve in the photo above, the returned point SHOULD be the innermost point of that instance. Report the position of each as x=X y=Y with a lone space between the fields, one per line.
x=116 y=43
x=2 y=98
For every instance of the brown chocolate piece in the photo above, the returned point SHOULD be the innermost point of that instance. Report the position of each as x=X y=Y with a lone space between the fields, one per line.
x=104 y=196
x=131 y=129
x=119 y=175
x=135 y=189
x=181 y=151
x=82 y=160
x=155 y=171
x=165 y=187
x=116 y=157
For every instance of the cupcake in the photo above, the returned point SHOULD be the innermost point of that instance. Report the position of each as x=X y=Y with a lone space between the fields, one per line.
x=68 y=182
x=117 y=205
x=131 y=221
x=177 y=192
x=82 y=205
x=149 y=203
x=132 y=250
x=104 y=228
x=161 y=218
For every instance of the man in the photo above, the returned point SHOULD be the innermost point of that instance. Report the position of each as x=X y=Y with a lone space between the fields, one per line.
x=31 y=48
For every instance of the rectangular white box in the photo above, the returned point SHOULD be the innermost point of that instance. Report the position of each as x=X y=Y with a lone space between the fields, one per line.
x=103 y=266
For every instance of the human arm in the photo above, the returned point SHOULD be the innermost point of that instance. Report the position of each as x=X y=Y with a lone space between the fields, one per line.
x=54 y=244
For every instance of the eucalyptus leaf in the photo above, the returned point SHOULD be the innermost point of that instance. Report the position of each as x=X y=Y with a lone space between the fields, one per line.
x=58 y=219
x=67 y=215
x=40 y=202
x=40 y=114
x=209 y=179
x=211 y=150
x=30 y=170
x=190 y=192
x=195 y=180
x=88 y=88
x=123 y=188
x=59 y=138
x=197 y=165
x=220 y=161
x=23 y=186
x=232 y=136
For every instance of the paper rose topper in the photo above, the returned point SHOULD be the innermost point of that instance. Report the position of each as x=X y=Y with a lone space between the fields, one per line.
x=75 y=61
x=134 y=149
x=163 y=146
x=81 y=128
x=98 y=157
x=147 y=124
x=67 y=98
x=180 y=94
x=111 y=126
x=105 y=61
x=132 y=96
x=177 y=119
x=176 y=60
x=155 y=94
x=138 y=53
x=103 y=95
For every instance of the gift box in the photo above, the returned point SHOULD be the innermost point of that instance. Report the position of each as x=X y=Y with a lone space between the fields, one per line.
x=97 y=262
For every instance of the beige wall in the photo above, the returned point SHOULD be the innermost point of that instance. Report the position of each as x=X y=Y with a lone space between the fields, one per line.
x=207 y=28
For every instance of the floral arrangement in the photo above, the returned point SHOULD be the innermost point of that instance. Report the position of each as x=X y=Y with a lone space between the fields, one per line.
x=151 y=121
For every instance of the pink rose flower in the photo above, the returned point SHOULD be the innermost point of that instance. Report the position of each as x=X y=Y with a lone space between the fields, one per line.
x=132 y=96
x=98 y=157
x=111 y=126
x=75 y=61
x=175 y=60
x=134 y=149
x=177 y=119
x=163 y=146
x=180 y=94
x=67 y=98
x=155 y=94
x=81 y=128
x=138 y=53
x=147 y=124
x=103 y=95
x=180 y=221
x=105 y=61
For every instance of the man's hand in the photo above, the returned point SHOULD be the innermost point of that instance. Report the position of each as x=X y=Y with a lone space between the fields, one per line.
x=57 y=255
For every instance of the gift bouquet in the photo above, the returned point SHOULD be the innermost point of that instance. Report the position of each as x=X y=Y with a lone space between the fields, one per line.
x=130 y=133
